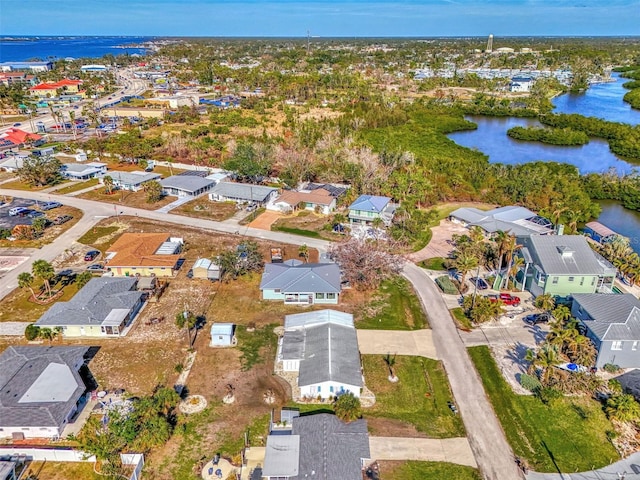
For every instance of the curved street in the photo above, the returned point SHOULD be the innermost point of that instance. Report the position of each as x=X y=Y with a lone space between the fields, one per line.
x=488 y=443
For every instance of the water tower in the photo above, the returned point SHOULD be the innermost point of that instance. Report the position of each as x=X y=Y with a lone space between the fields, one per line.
x=490 y=43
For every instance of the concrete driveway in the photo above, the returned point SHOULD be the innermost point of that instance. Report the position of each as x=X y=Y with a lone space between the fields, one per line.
x=417 y=343
x=265 y=220
x=452 y=450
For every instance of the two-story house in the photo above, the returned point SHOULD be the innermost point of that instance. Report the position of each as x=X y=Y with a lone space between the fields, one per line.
x=367 y=208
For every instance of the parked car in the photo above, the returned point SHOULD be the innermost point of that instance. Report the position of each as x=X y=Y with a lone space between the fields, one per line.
x=35 y=214
x=91 y=255
x=537 y=318
x=26 y=212
x=59 y=220
x=480 y=282
x=251 y=207
x=17 y=124
x=50 y=205
x=506 y=298
x=15 y=211
x=95 y=267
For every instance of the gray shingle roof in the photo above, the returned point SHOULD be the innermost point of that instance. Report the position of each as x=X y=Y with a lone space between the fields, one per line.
x=329 y=448
x=565 y=255
x=132 y=178
x=187 y=183
x=20 y=368
x=613 y=316
x=243 y=191
x=93 y=303
x=302 y=278
x=328 y=351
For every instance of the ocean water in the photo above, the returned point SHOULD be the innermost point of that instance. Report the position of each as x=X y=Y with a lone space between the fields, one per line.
x=16 y=49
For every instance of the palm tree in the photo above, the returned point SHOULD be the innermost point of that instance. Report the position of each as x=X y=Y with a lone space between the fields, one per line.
x=583 y=352
x=347 y=407
x=546 y=358
x=186 y=320
x=501 y=239
x=511 y=246
x=107 y=181
x=390 y=360
x=514 y=268
x=47 y=334
x=562 y=313
x=303 y=251
x=623 y=408
x=545 y=302
x=464 y=263
x=43 y=270
x=25 y=279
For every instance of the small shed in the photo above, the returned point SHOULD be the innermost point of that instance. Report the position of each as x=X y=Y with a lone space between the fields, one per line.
x=599 y=232
x=222 y=335
x=205 y=268
x=146 y=283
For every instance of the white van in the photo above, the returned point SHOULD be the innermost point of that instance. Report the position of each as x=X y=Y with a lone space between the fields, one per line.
x=16 y=211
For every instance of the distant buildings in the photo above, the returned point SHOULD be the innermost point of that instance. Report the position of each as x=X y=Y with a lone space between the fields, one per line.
x=32 y=66
x=50 y=90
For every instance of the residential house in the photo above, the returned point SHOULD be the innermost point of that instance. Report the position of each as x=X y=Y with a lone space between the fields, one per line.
x=222 y=335
x=562 y=265
x=13 y=78
x=321 y=347
x=521 y=84
x=242 y=193
x=190 y=185
x=14 y=137
x=599 y=233
x=83 y=171
x=367 y=208
x=41 y=390
x=513 y=219
x=319 y=201
x=104 y=307
x=131 y=181
x=319 y=446
x=50 y=90
x=145 y=254
x=612 y=321
x=298 y=283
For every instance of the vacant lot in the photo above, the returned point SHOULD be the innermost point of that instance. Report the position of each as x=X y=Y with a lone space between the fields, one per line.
x=202 y=207
x=427 y=471
x=568 y=435
x=124 y=197
x=308 y=224
x=62 y=471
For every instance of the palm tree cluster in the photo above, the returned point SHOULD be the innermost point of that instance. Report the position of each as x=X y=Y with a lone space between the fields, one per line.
x=621 y=255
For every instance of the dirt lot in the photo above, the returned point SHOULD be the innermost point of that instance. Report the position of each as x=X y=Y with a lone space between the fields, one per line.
x=202 y=207
x=309 y=221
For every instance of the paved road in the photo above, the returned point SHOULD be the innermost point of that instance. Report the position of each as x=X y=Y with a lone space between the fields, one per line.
x=415 y=343
x=488 y=443
x=452 y=450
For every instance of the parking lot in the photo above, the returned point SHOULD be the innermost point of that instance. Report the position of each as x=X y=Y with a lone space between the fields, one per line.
x=8 y=221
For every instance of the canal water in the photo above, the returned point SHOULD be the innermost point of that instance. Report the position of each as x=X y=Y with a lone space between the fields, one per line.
x=602 y=100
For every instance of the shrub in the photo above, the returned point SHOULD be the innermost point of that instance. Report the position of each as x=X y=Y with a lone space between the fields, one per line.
x=4 y=233
x=446 y=285
x=530 y=382
x=549 y=395
x=611 y=368
x=31 y=332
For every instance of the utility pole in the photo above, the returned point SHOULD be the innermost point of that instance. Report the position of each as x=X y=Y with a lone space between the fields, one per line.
x=308 y=42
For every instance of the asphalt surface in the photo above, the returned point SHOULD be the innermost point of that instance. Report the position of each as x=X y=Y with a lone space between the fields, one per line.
x=493 y=454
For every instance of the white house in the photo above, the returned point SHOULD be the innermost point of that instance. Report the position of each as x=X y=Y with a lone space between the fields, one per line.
x=83 y=171
x=132 y=181
x=322 y=348
x=242 y=192
x=318 y=201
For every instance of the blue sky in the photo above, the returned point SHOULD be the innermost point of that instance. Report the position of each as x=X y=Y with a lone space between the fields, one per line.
x=328 y=18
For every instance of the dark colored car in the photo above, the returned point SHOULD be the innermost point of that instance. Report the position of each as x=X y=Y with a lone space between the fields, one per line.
x=537 y=318
x=59 y=220
x=35 y=214
x=50 y=205
x=17 y=124
x=482 y=285
x=91 y=255
x=95 y=267
x=506 y=298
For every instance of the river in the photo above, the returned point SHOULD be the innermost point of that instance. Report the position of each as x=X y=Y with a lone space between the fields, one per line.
x=602 y=100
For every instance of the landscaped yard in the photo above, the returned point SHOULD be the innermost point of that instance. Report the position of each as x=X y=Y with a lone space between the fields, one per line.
x=569 y=435
x=394 y=307
x=435 y=263
x=419 y=398
x=462 y=321
x=202 y=207
x=427 y=471
x=20 y=185
x=126 y=198
x=77 y=186
x=16 y=307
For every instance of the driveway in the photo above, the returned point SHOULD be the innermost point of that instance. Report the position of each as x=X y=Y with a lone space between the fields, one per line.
x=265 y=220
x=416 y=343
x=452 y=450
x=440 y=245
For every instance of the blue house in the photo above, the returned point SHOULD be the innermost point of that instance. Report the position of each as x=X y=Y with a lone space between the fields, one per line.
x=367 y=208
x=222 y=335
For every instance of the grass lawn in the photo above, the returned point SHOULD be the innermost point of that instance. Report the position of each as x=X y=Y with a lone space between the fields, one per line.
x=96 y=233
x=127 y=198
x=420 y=396
x=17 y=307
x=569 y=435
x=20 y=185
x=462 y=321
x=413 y=470
x=62 y=471
x=435 y=263
x=306 y=224
x=394 y=307
x=204 y=208
x=77 y=186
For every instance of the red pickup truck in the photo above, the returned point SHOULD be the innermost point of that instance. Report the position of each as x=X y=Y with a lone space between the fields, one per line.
x=506 y=298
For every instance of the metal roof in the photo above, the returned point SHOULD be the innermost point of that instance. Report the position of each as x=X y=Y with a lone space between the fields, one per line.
x=565 y=255
x=243 y=191
x=600 y=229
x=370 y=203
x=282 y=456
x=302 y=278
x=612 y=316
x=187 y=183
x=222 y=329
x=132 y=178
x=514 y=219
x=29 y=396
x=93 y=304
x=317 y=317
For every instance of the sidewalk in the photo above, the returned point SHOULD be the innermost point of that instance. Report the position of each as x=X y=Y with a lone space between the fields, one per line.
x=627 y=469
x=174 y=204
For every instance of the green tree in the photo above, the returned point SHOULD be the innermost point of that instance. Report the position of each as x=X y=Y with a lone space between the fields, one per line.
x=464 y=263
x=44 y=271
x=347 y=407
x=623 y=407
x=39 y=171
x=186 y=320
x=47 y=333
x=39 y=225
x=250 y=161
x=390 y=360
x=83 y=278
x=107 y=181
x=303 y=251
x=31 y=332
x=25 y=280
x=154 y=191
x=545 y=302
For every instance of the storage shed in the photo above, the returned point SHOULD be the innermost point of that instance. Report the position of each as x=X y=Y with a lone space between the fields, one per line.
x=205 y=268
x=222 y=335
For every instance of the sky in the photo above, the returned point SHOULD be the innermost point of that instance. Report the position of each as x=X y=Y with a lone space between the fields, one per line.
x=352 y=18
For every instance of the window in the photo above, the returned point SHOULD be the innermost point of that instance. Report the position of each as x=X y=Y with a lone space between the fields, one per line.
x=571 y=279
x=331 y=296
x=593 y=281
x=319 y=296
x=331 y=389
x=276 y=290
x=555 y=280
x=634 y=346
x=319 y=389
x=617 y=345
x=581 y=281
